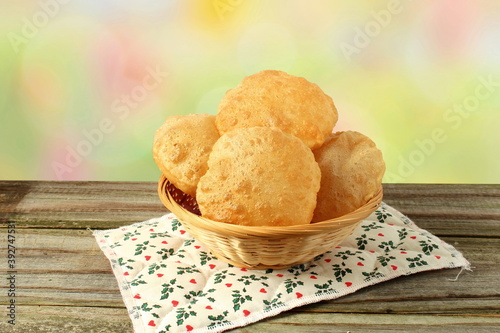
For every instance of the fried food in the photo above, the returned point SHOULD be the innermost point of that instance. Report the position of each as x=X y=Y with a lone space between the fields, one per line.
x=181 y=148
x=259 y=176
x=276 y=99
x=352 y=168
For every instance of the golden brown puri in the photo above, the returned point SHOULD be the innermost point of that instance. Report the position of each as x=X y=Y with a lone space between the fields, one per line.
x=351 y=173
x=181 y=148
x=276 y=99
x=259 y=176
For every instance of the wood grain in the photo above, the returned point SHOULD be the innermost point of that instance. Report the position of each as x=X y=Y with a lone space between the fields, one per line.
x=63 y=279
x=79 y=205
x=444 y=209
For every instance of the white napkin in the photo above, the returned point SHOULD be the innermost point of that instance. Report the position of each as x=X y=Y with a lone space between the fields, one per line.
x=170 y=282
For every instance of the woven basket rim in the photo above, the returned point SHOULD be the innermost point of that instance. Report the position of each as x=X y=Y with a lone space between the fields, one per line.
x=302 y=230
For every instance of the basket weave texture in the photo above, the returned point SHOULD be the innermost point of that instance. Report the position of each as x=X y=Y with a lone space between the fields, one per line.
x=263 y=247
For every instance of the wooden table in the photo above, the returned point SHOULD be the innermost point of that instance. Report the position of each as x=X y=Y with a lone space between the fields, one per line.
x=63 y=282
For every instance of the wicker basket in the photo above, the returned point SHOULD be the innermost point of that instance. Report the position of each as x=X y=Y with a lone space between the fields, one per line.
x=262 y=247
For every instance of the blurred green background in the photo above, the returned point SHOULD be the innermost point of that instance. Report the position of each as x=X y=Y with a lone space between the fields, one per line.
x=84 y=84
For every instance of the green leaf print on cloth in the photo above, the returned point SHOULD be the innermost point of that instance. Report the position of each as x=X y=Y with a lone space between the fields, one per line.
x=170 y=282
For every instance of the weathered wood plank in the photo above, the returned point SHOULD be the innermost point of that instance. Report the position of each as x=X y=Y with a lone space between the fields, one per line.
x=444 y=209
x=57 y=319
x=65 y=267
x=418 y=294
x=449 y=209
x=331 y=322
x=64 y=279
x=108 y=320
x=99 y=205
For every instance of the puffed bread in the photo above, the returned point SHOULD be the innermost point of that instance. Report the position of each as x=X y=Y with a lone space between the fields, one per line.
x=181 y=148
x=276 y=99
x=352 y=168
x=259 y=176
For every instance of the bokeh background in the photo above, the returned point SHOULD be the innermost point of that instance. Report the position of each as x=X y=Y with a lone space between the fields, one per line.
x=85 y=83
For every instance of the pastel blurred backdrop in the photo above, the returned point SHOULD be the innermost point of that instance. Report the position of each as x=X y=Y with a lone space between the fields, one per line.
x=84 y=84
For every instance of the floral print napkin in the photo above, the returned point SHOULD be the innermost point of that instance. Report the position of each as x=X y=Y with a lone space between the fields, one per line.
x=170 y=282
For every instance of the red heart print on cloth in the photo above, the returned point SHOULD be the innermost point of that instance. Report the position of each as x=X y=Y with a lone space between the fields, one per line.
x=172 y=283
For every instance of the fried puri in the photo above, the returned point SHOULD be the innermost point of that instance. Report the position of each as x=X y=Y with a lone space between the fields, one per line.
x=273 y=98
x=181 y=148
x=352 y=168
x=259 y=176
